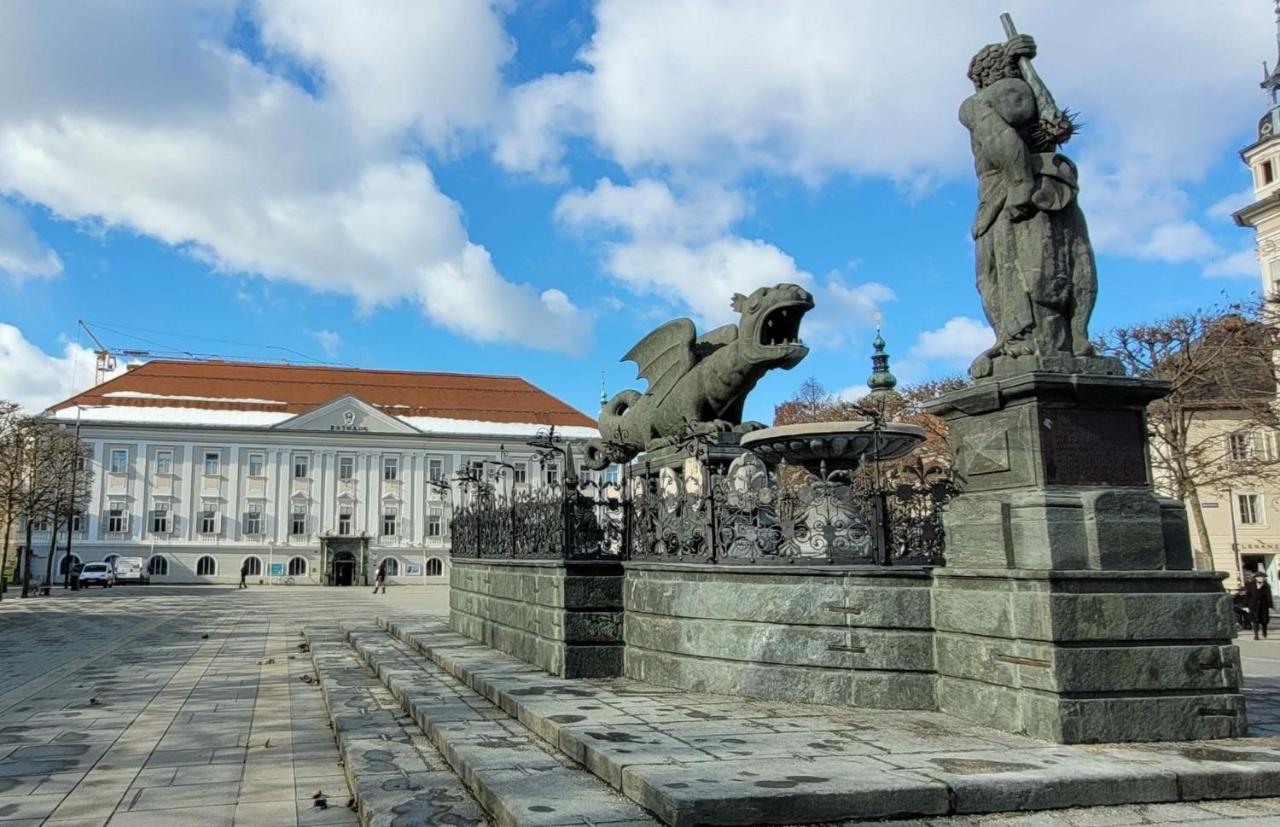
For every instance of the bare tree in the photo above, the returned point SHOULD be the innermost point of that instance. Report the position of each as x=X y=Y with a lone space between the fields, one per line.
x=67 y=477
x=12 y=478
x=814 y=403
x=1221 y=364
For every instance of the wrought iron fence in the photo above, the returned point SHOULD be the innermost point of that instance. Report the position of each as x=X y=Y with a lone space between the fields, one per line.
x=739 y=513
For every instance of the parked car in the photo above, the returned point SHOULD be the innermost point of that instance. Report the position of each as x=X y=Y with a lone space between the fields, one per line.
x=97 y=574
x=131 y=570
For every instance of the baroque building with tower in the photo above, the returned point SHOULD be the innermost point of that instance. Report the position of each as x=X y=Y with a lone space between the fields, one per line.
x=1243 y=518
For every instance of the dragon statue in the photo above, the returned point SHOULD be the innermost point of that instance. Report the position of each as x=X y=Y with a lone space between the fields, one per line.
x=698 y=384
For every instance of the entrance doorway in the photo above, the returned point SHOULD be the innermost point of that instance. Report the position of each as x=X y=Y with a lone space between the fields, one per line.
x=344 y=561
x=344 y=569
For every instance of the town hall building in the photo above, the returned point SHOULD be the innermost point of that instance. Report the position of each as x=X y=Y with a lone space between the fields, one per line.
x=299 y=474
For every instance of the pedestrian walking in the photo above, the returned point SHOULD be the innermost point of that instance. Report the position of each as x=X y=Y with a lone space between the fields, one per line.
x=380 y=578
x=244 y=572
x=1260 y=604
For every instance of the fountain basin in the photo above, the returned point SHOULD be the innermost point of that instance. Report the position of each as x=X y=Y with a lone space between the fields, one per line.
x=837 y=446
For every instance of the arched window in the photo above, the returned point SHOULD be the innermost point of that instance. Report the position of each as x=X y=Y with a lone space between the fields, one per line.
x=158 y=564
x=253 y=567
x=392 y=566
x=111 y=559
x=206 y=566
x=434 y=567
x=297 y=567
x=72 y=560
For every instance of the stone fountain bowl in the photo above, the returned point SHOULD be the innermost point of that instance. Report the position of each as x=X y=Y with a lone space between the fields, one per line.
x=837 y=446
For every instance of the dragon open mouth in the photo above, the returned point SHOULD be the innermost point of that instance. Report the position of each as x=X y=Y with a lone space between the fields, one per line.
x=781 y=326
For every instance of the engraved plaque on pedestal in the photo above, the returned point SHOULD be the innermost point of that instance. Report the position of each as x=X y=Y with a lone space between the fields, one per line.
x=1093 y=447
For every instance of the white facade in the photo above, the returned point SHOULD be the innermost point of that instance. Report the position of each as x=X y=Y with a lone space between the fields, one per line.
x=198 y=499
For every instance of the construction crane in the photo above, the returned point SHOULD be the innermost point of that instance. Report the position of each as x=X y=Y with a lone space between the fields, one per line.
x=107 y=358
x=105 y=364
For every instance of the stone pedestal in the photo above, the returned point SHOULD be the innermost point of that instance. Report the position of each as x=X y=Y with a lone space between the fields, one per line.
x=564 y=617
x=1068 y=609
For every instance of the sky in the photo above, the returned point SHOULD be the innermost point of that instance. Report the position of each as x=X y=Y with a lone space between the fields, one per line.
x=527 y=188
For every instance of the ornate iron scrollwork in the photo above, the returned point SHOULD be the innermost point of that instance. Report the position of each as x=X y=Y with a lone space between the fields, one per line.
x=737 y=514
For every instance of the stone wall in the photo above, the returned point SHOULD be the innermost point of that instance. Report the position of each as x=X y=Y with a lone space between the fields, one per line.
x=859 y=637
x=1086 y=656
x=563 y=617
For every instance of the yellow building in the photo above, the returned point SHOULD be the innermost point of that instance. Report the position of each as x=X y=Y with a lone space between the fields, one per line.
x=1243 y=518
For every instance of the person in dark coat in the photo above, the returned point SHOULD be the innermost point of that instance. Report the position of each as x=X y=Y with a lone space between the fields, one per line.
x=244 y=572
x=1260 y=604
x=380 y=578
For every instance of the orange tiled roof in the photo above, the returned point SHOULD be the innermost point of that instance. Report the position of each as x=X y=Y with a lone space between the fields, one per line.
x=294 y=389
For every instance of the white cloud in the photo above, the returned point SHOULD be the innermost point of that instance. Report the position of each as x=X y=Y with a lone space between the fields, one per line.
x=328 y=340
x=956 y=343
x=681 y=247
x=649 y=209
x=22 y=254
x=718 y=90
x=1224 y=208
x=943 y=351
x=1240 y=264
x=433 y=67
x=187 y=141
x=35 y=379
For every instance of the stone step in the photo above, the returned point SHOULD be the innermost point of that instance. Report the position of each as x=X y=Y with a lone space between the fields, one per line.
x=396 y=775
x=706 y=759
x=519 y=780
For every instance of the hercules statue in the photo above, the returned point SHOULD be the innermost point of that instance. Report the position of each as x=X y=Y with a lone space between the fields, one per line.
x=1035 y=265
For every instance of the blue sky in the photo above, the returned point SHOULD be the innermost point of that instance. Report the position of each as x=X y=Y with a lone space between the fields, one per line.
x=528 y=188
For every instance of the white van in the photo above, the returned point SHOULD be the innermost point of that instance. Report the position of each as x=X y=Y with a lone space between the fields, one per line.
x=131 y=570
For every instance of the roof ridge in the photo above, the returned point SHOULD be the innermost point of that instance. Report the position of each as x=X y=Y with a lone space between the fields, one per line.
x=295 y=366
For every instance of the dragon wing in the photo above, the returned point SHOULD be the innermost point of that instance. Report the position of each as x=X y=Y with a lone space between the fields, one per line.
x=664 y=355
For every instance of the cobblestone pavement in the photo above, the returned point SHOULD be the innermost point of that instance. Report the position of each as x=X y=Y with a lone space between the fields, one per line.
x=187 y=706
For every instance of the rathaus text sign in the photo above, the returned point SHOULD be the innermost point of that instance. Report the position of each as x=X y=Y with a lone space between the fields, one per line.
x=348 y=423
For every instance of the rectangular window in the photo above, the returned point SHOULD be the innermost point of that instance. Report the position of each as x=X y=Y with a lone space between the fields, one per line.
x=391 y=468
x=257 y=462
x=253 y=520
x=389 y=524
x=301 y=466
x=77 y=523
x=475 y=466
x=209 y=519
x=117 y=518
x=435 y=469
x=1268 y=172
x=212 y=463
x=1250 y=509
x=164 y=462
x=434 y=523
x=1241 y=446
x=344 y=520
x=613 y=474
x=119 y=461
x=160 y=518
x=83 y=462
x=298 y=524
x=40 y=524
x=346 y=467
x=551 y=473
x=520 y=473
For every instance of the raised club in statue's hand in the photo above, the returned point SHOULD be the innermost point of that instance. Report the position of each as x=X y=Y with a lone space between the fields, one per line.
x=1022 y=45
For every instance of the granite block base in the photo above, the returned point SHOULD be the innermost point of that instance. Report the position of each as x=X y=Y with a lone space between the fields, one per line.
x=563 y=617
x=1086 y=657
